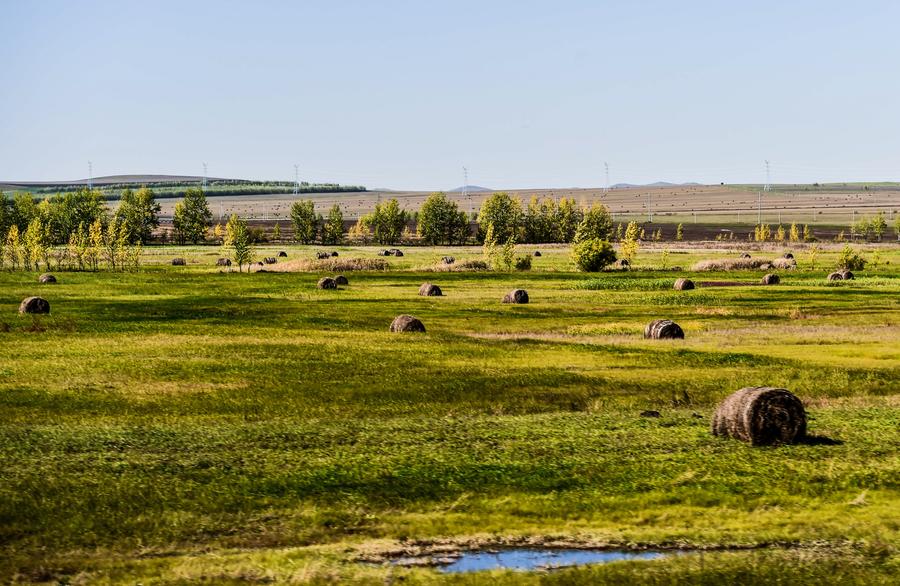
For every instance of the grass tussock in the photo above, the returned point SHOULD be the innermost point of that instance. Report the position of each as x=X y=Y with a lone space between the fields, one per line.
x=334 y=265
x=730 y=264
x=457 y=267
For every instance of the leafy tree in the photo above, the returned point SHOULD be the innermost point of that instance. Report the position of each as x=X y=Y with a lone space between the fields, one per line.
x=333 y=227
x=878 y=226
x=360 y=231
x=441 y=222
x=795 y=233
x=597 y=224
x=192 y=216
x=36 y=244
x=779 y=234
x=138 y=215
x=807 y=234
x=388 y=221
x=897 y=226
x=13 y=248
x=95 y=243
x=862 y=228
x=276 y=233
x=568 y=217
x=631 y=242
x=850 y=260
x=593 y=254
x=503 y=213
x=237 y=237
x=679 y=233
x=539 y=221
x=24 y=209
x=303 y=218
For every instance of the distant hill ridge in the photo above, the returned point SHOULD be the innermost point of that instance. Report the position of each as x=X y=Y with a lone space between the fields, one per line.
x=470 y=189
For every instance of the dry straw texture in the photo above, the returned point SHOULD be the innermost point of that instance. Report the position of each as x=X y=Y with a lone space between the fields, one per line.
x=761 y=416
x=47 y=278
x=331 y=264
x=516 y=296
x=456 y=267
x=730 y=264
x=663 y=329
x=326 y=283
x=429 y=290
x=784 y=264
x=34 y=305
x=684 y=285
x=770 y=279
x=407 y=323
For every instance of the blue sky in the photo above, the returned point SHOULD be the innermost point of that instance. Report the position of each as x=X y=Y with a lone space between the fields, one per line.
x=404 y=94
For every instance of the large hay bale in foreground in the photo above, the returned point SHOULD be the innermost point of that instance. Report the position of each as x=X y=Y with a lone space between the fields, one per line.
x=47 y=278
x=663 y=329
x=223 y=262
x=684 y=285
x=761 y=416
x=407 y=323
x=429 y=290
x=516 y=296
x=770 y=279
x=178 y=262
x=34 y=305
x=341 y=280
x=326 y=283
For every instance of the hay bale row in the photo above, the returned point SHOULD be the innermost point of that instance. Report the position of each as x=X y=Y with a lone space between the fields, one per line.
x=326 y=283
x=391 y=252
x=223 y=262
x=178 y=262
x=663 y=329
x=519 y=296
x=784 y=264
x=35 y=305
x=341 y=280
x=761 y=416
x=407 y=323
x=270 y=260
x=430 y=290
x=684 y=285
x=841 y=275
x=731 y=264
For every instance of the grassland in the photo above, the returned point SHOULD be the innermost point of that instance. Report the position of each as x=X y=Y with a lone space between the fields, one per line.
x=184 y=425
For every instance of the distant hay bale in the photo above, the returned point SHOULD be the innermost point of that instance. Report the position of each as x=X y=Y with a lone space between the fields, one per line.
x=836 y=276
x=34 y=305
x=516 y=296
x=761 y=416
x=384 y=253
x=789 y=255
x=745 y=255
x=223 y=262
x=729 y=264
x=326 y=283
x=341 y=280
x=785 y=264
x=330 y=265
x=621 y=264
x=396 y=252
x=322 y=255
x=178 y=262
x=684 y=285
x=770 y=279
x=47 y=278
x=334 y=253
x=537 y=253
x=663 y=329
x=448 y=260
x=270 y=260
x=407 y=323
x=429 y=290
x=282 y=254
x=846 y=275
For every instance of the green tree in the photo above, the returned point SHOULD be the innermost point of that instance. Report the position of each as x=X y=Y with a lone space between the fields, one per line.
x=593 y=254
x=276 y=233
x=631 y=242
x=13 y=248
x=23 y=209
x=568 y=217
x=35 y=243
x=304 y=220
x=138 y=215
x=388 y=221
x=679 y=233
x=237 y=238
x=192 y=217
x=502 y=212
x=539 y=221
x=878 y=226
x=807 y=233
x=596 y=225
x=333 y=227
x=441 y=222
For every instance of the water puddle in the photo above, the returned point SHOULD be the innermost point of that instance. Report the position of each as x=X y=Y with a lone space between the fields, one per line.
x=526 y=559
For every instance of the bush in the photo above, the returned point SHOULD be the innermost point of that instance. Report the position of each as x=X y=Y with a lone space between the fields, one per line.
x=523 y=263
x=850 y=260
x=593 y=255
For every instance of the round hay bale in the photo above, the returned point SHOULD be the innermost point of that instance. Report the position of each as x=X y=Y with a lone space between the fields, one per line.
x=407 y=323
x=651 y=413
x=282 y=254
x=396 y=252
x=448 y=260
x=334 y=253
x=326 y=283
x=47 y=278
x=384 y=253
x=663 y=329
x=34 y=305
x=516 y=296
x=270 y=260
x=846 y=275
x=761 y=416
x=537 y=253
x=341 y=280
x=745 y=255
x=429 y=290
x=178 y=262
x=770 y=279
x=622 y=263
x=788 y=255
x=223 y=262
x=836 y=276
x=322 y=255
x=684 y=285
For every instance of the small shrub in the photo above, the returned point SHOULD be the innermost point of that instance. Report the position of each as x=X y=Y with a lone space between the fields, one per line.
x=523 y=263
x=593 y=255
x=850 y=260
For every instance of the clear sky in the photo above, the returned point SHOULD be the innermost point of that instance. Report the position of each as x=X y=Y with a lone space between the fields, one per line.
x=404 y=94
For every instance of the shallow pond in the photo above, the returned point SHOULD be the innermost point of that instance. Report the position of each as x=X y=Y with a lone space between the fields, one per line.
x=538 y=559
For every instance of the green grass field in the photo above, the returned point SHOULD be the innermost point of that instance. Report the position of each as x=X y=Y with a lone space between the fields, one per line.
x=183 y=425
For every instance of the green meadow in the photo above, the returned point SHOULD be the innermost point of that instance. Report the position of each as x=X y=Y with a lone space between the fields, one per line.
x=181 y=425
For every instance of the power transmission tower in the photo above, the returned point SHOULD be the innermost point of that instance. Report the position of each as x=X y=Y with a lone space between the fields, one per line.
x=465 y=184
x=768 y=186
x=296 y=180
x=650 y=205
x=90 y=175
x=204 y=183
x=758 y=208
x=606 y=168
